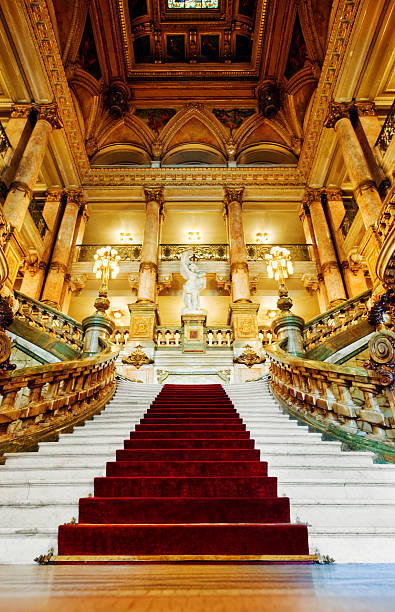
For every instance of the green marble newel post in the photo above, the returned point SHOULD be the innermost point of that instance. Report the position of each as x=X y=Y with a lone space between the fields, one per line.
x=288 y=325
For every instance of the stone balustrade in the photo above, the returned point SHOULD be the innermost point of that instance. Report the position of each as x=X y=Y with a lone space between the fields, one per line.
x=39 y=401
x=219 y=337
x=352 y=399
x=335 y=320
x=168 y=336
x=385 y=266
x=48 y=319
x=120 y=336
x=266 y=336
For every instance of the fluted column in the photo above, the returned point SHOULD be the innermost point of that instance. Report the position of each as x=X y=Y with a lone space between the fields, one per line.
x=363 y=185
x=326 y=251
x=237 y=249
x=148 y=271
x=82 y=220
x=61 y=253
x=33 y=279
x=354 y=277
x=21 y=189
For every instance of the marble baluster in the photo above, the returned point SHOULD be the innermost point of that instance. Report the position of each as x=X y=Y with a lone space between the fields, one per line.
x=61 y=253
x=237 y=249
x=21 y=189
x=329 y=265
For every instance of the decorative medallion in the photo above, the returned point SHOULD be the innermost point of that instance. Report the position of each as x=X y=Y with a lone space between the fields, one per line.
x=249 y=357
x=138 y=358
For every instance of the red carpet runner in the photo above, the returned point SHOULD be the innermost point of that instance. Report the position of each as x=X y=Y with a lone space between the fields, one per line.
x=188 y=485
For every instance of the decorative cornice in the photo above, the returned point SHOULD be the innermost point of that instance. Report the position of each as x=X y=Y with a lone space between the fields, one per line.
x=337 y=111
x=154 y=194
x=20 y=111
x=343 y=24
x=49 y=113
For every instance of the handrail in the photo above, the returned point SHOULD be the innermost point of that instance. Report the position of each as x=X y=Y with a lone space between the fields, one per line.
x=335 y=396
x=37 y=401
x=387 y=131
x=335 y=320
x=48 y=319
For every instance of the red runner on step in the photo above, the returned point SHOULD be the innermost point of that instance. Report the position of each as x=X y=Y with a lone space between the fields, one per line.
x=187 y=485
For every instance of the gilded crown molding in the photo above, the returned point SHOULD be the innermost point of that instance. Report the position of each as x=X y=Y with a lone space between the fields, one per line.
x=50 y=114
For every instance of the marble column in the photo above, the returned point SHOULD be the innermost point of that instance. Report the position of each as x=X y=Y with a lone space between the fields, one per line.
x=18 y=131
x=144 y=313
x=368 y=130
x=82 y=220
x=305 y=217
x=354 y=277
x=237 y=249
x=243 y=315
x=363 y=185
x=33 y=279
x=21 y=189
x=326 y=251
x=148 y=271
x=61 y=252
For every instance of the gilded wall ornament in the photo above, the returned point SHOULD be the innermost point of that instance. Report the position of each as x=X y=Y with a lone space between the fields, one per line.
x=138 y=358
x=249 y=357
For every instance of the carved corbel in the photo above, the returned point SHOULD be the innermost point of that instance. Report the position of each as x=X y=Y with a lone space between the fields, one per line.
x=164 y=282
x=133 y=282
x=223 y=283
x=356 y=261
x=311 y=283
x=30 y=262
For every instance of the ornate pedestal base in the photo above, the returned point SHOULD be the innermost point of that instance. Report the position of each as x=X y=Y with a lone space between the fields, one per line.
x=243 y=317
x=193 y=340
x=96 y=326
x=143 y=319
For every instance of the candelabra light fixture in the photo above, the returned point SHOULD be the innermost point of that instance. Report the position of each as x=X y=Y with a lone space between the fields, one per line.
x=280 y=266
x=125 y=237
x=106 y=266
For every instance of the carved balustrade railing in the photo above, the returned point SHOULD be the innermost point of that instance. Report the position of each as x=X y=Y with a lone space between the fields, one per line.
x=203 y=252
x=385 y=267
x=387 y=131
x=40 y=401
x=167 y=336
x=351 y=399
x=120 y=336
x=266 y=336
x=386 y=220
x=336 y=320
x=47 y=319
x=219 y=337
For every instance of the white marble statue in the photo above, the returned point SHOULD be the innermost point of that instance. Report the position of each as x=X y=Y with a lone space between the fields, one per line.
x=195 y=282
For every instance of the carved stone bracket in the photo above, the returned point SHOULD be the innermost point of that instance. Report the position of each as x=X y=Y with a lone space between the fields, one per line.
x=138 y=358
x=382 y=357
x=77 y=283
x=164 y=281
x=356 y=261
x=311 y=283
x=223 y=283
x=249 y=357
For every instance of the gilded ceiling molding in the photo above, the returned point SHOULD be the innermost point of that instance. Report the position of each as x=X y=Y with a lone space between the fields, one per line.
x=337 y=45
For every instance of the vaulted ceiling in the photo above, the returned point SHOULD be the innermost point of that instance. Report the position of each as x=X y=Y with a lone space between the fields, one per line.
x=185 y=86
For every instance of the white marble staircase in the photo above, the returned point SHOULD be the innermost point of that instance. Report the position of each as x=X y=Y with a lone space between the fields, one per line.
x=347 y=500
x=39 y=491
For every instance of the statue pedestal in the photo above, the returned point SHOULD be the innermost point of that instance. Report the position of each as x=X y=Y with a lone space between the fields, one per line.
x=144 y=318
x=243 y=317
x=194 y=338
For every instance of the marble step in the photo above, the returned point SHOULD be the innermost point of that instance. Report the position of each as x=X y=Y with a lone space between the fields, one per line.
x=50 y=461
x=64 y=472
x=339 y=488
x=45 y=492
x=320 y=473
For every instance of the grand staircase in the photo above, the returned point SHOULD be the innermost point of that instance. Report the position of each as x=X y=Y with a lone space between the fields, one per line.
x=347 y=501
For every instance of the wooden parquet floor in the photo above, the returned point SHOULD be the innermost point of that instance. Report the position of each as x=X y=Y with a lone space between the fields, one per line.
x=197 y=588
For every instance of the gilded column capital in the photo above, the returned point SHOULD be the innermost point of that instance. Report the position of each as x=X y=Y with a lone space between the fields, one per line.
x=75 y=196
x=50 y=114
x=233 y=194
x=20 y=111
x=333 y=194
x=154 y=194
x=337 y=110
x=54 y=195
x=366 y=109
x=311 y=194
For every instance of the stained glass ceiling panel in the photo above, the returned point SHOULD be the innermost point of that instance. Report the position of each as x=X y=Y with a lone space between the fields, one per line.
x=192 y=4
